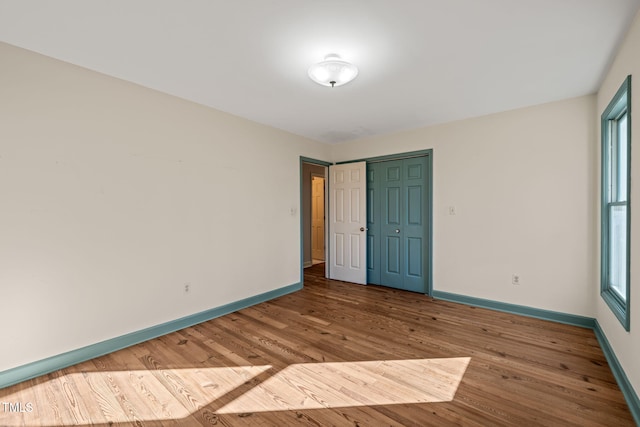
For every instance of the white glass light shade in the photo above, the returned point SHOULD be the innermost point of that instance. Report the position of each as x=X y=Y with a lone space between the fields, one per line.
x=333 y=71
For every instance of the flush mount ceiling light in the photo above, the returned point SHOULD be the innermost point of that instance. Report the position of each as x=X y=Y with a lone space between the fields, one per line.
x=333 y=71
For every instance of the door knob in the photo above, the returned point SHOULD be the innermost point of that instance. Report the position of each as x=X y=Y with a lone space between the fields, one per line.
x=397 y=230
x=361 y=228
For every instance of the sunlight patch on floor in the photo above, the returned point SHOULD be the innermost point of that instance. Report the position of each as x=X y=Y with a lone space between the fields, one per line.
x=346 y=384
x=173 y=394
x=120 y=396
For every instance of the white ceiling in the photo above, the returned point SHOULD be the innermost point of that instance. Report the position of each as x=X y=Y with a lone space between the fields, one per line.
x=421 y=61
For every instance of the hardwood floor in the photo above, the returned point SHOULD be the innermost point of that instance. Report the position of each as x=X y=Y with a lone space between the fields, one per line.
x=339 y=354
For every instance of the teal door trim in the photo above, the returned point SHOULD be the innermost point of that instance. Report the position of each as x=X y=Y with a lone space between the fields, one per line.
x=313 y=162
x=398 y=156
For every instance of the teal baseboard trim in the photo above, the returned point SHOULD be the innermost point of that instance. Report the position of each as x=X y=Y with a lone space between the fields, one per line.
x=623 y=382
x=554 y=316
x=64 y=360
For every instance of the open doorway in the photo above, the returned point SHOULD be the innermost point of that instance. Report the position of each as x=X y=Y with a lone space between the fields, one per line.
x=314 y=212
x=317 y=219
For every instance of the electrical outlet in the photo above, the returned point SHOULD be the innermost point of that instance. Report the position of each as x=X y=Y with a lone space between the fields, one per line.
x=515 y=279
x=187 y=287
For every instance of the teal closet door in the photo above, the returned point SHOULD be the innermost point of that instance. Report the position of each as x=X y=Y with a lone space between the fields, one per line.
x=396 y=221
x=373 y=223
x=414 y=227
x=391 y=233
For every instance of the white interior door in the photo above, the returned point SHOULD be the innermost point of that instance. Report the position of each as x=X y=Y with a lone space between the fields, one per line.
x=347 y=222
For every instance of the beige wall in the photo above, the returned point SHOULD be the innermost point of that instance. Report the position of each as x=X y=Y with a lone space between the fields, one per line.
x=625 y=344
x=523 y=186
x=114 y=196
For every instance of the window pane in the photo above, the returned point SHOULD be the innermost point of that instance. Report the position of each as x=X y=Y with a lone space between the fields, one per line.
x=618 y=250
x=609 y=169
x=621 y=158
